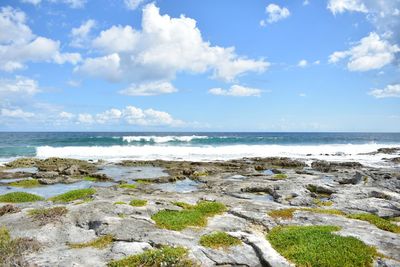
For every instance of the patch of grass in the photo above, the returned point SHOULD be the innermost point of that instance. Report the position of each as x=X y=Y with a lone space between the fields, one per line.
x=91 y=179
x=26 y=183
x=280 y=176
x=219 y=240
x=7 y=209
x=379 y=222
x=127 y=186
x=74 y=195
x=119 y=203
x=288 y=213
x=50 y=215
x=164 y=256
x=321 y=203
x=100 y=243
x=318 y=246
x=141 y=181
x=191 y=215
x=12 y=250
x=19 y=197
x=138 y=202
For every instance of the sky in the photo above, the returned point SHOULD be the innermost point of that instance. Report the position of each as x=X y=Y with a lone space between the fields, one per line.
x=169 y=65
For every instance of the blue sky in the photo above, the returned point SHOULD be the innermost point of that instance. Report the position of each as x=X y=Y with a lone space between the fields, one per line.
x=168 y=65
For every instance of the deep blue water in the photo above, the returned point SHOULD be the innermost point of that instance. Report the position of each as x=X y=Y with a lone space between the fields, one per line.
x=26 y=144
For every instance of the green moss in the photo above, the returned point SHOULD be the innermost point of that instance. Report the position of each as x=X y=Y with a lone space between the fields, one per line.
x=26 y=183
x=321 y=203
x=138 y=202
x=100 y=243
x=379 y=222
x=195 y=215
x=219 y=240
x=141 y=181
x=280 y=176
x=288 y=213
x=119 y=203
x=18 y=197
x=74 y=195
x=127 y=186
x=164 y=256
x=91 y=179
x=318 y=246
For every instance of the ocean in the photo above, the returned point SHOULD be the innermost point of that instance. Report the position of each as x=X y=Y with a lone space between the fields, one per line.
x=114 y=146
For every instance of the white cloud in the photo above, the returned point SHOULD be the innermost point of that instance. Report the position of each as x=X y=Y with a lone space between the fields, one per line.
x=306 y=2
x=382 y=14
x=66 y=115
x=19 y=45
x=129 y=115
x=302 y=95
x=16 y=113
x=149 y=89
x=85 y=118
x=236 y=90
x=391 y=90
x=20 y=86
x=302 y=63
x=80 y=35
x=107 y=67
x=109 y=115
x=164 y=47
x=275 y=13
x=340 y=6
x=369 y=53
x=133 y=4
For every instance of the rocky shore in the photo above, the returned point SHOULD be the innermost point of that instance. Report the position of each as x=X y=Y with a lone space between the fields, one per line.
x=179 y=213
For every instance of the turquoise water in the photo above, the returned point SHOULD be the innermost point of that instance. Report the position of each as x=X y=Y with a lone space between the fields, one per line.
x=120 y=145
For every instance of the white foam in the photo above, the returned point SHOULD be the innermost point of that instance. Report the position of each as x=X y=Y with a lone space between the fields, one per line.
x=161 y=139
x=204 y=153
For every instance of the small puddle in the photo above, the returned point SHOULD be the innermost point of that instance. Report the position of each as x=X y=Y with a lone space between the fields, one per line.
x=28 y=170
x=257 y=197
x=268 y=172
x=6 y=181
x=47 y=191
x=182 y=186
x=236 y=177
x=130 y=174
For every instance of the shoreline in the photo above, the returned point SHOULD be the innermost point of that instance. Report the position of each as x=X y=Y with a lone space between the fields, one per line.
x=256 y=197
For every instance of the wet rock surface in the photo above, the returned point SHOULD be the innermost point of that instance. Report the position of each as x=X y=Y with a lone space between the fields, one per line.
x=243 y=186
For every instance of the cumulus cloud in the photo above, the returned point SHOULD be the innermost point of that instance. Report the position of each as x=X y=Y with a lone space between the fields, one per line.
x=391 y=90
x=131 y=115
x=16 y=113
x=20 y=86
x=236 y=90
x=371 y=52
x=80 y=35
x=162 y=48
x=384 y=15
x=66 y=115
x=275 y=13
x=340 y=6
x=149 y=89
x=19 y=45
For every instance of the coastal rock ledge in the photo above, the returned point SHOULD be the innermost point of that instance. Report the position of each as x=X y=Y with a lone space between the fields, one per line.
x=245 y=212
